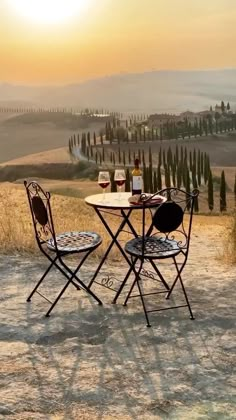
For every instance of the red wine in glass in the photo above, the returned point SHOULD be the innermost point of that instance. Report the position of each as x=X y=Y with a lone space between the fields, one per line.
x=104 y=185
x=120 y=182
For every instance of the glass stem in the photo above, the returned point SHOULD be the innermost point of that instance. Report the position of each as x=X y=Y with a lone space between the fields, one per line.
x=103 y=197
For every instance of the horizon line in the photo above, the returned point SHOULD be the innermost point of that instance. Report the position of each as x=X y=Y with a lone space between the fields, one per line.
x=121 y=73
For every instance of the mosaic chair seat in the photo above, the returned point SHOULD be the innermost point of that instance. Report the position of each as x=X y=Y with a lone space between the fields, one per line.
x=167 y=236
x=56 y=247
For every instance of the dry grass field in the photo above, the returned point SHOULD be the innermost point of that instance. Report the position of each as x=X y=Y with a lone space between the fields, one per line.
x=71 y=213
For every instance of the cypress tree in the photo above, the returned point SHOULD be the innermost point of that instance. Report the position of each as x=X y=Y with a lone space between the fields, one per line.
x=139 y=155
x=195 y=205
x=199 y=167
x=155 y=187
x=194 y=177
x=179 y=175
x=174 y=174
x=88 y=138
x=160 y=157
x=129 y=157
x=150 y=179
x=190 y=161
x=223 y=205
x=177 y=154
x=150 y=156
x=159 y=180
x=206 y=168
x=145 y=179
x=164 y=158
x=169 y=157
x=119 y=155
x=182 y=155
x=202 y=163
x=210 y=192
x=124 y=160
x=161 y=133
x=113 y=183
x=127 y=181
x=187 y=187
x=167 y=177
x=143 y=157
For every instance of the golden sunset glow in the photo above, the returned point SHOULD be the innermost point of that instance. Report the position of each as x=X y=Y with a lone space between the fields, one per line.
x=56 y=41
x=47 y=11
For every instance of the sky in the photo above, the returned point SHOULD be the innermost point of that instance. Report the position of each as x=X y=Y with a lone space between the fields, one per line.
x=38 y=46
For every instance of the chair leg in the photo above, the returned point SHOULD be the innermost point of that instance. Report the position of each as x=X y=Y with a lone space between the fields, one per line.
x=143 y=303
x=137 y=280
x=73 y=276
x=79 y=281
x=186 y=298
x=124 y=282
x=130 y=291
x=40 y=281
x=160 y=275
x=176 y=278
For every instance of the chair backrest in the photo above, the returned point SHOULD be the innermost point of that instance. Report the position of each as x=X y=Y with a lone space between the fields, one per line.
x=39 y=202
x=172 y=219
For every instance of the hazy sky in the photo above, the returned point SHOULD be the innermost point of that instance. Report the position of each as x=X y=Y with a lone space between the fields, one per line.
x=112 y=36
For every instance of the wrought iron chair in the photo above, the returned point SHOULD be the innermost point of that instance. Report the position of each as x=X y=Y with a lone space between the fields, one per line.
x=56 y=247
x=168 y=236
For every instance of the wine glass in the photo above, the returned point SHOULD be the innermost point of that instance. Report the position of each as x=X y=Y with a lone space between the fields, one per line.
x=103 y=181
x=119 y=179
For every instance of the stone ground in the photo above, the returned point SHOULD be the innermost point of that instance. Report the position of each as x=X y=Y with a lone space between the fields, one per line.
x=102 y=362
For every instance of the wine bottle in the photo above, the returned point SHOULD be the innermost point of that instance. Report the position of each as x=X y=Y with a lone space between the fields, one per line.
x=137 y=181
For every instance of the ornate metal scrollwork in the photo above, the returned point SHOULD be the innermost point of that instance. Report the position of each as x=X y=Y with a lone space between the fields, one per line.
x=108 y=281
x=147 y=273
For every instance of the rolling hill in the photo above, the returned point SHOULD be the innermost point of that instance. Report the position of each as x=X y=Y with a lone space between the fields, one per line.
x=153 y=91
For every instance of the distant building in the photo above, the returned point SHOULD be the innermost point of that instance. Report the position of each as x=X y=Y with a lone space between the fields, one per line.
x=218 y=109
x=157 y=120
x=190 y=116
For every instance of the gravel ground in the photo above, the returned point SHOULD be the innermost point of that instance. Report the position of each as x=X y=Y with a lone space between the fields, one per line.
x=102 y=362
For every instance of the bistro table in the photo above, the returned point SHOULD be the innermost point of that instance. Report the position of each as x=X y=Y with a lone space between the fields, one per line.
x=116 y=204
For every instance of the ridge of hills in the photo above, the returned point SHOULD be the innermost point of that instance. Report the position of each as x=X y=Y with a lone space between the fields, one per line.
x=152 y=91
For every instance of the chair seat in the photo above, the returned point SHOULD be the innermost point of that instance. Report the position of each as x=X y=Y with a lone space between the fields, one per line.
x=155 y=247
x=75 y=241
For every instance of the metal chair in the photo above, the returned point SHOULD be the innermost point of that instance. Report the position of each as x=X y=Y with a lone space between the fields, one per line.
x=57 y=247
x=168 y=236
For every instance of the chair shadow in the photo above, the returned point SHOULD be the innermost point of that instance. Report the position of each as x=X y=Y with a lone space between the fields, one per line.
x=135 y=366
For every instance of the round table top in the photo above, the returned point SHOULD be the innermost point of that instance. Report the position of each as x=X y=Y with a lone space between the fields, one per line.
x=112 y=201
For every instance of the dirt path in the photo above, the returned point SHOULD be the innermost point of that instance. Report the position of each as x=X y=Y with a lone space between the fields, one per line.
x=91 y=362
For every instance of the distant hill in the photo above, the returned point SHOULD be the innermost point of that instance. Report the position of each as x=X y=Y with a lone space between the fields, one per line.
x=156 y=91
x=57 y=119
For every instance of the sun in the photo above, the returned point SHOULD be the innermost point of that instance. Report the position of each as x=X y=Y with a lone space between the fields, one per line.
x=48 y=11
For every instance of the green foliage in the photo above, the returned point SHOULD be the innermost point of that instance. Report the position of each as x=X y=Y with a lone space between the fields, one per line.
x=113 y=183
x=159 y=179
x=127 y=181
x=223 y=205
x=210 y=192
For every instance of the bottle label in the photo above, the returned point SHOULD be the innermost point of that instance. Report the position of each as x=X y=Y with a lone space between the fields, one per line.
x=137 y=182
